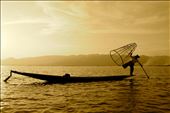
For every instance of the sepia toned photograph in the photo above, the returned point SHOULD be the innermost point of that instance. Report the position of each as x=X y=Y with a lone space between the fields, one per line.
x=85 y=56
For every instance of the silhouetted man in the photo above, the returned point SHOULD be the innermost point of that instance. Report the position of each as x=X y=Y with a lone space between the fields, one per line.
x=132 y=63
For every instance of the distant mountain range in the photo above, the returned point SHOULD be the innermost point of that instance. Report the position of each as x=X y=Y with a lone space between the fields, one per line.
x=80 y=60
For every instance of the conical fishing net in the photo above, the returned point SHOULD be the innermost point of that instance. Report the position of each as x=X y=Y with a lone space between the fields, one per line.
x=122 y=55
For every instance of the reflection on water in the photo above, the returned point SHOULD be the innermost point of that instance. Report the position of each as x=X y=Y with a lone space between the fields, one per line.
x=133 y=95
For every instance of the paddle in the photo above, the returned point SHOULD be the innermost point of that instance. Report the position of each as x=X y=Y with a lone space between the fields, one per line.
x=143 y=69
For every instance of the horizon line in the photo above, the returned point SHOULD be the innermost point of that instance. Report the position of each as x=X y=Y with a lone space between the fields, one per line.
x=68 y=55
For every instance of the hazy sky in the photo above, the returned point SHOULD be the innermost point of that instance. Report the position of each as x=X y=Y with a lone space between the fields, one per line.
x=79 y=27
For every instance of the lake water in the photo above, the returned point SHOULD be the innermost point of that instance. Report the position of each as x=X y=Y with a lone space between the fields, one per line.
x=132 y=95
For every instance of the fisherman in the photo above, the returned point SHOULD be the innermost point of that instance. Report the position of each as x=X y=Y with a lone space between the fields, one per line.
x=132 y=63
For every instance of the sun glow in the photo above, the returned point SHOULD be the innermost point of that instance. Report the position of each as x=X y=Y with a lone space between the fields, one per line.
x=66 y=28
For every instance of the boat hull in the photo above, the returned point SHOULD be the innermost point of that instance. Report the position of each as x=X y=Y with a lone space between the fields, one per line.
x=71 y=79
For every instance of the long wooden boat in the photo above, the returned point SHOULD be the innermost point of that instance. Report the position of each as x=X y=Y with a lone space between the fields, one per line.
x=67 y=78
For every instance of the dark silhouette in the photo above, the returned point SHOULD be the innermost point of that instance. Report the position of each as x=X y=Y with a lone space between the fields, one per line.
x=69 y=79
x=132 y=63
x=66 y=75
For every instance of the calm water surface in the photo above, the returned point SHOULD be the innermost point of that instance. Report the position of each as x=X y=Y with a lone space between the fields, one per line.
x=132 y=95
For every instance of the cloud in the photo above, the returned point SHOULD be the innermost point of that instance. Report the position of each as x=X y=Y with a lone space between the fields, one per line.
x=27 y=21
x=129 y=31
x=74 y=9
x=64 y=16
x=85 y=24
x=98 y=16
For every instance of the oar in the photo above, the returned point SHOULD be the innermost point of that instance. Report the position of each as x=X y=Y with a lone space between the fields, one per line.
x=144 y=70
x=8 y=76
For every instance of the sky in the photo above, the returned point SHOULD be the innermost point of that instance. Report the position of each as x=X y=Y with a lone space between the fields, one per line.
x=34 y=28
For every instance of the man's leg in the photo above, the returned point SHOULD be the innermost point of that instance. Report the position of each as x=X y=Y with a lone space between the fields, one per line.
x=131 y=70
x=126 y=64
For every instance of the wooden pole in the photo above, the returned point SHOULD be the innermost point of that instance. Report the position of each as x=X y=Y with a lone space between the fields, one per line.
x=145 y=72
x=143 y=69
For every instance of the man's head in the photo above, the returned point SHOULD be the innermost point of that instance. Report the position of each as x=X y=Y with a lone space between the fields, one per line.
x=137 y=56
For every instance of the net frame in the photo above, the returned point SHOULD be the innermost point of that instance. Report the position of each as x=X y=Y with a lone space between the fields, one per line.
x=128 y=49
